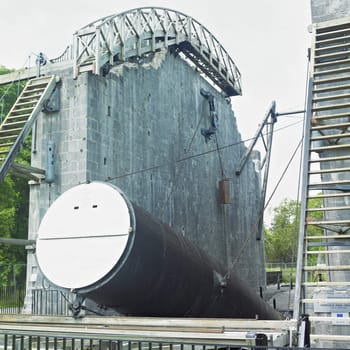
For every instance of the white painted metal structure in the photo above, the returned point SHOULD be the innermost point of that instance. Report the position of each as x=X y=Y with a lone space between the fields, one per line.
x=142 y=31
x=82 y=235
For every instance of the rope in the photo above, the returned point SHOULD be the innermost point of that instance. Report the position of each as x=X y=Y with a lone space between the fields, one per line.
x=135 y=172
x=254 y=226
x=283 y=173
x=194 y=134
x=219 y=155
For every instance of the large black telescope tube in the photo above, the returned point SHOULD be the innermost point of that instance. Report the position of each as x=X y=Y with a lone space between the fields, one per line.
x=93 y=241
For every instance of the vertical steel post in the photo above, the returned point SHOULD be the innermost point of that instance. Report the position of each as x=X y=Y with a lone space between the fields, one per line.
x=304 y=188
x=271 y=123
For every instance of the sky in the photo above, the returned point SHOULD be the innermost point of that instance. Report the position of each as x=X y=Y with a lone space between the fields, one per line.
x=267 y=39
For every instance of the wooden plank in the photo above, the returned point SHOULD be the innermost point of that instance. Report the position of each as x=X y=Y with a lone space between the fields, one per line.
x=335 y=39
x=16 y=123
x=331 y=72
x=326 y=284
x=197 y=331
x=326 y=301
x=3 y=145
x=330 y=137
x=328 y=209
x=328 y=148
x=331 y=56
x=327 y=268
x=7 y=138
x=329 y=159
x=331 y=80
x=329 y=183
x=331 y=107
x=332 y=116
x=160 y=322
x=329 y=222
x=20 y=110
x=338 y=251
x=32 y=93
x=18 y=116
x=8 y=132
x=331 y=126
x=328 y=319
x=31 y=72
x=327 y=171
x=340 y=236
x=330 y=337
x=332 y=88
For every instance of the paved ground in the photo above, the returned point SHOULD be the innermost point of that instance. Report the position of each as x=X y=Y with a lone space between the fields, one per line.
x=284 y=297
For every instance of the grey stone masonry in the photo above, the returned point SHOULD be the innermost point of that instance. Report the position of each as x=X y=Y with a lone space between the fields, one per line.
x=139 y=127
x=326 y=10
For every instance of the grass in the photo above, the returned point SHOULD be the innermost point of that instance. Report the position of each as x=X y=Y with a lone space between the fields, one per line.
x=286 y=271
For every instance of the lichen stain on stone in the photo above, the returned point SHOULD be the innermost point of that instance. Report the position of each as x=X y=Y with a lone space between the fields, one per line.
x=154 y=62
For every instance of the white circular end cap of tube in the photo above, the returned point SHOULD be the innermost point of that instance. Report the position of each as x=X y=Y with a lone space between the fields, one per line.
x=83 y=235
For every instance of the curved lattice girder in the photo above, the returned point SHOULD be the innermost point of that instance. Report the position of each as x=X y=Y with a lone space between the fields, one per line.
x=137 y=32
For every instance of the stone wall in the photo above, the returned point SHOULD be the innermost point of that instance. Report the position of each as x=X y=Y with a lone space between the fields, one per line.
x=326 y=10
x=139 y=127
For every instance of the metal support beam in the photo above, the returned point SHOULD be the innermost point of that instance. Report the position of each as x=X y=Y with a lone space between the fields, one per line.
x=15 y=241
x=269 y=118
x=265 y=129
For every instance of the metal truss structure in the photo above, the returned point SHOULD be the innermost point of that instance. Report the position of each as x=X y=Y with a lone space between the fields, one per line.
x=138 y=32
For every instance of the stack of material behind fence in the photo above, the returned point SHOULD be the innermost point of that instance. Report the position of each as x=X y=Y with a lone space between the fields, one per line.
x=44 y=302
x=11 y=299
x=50 y=302
x=32 y=332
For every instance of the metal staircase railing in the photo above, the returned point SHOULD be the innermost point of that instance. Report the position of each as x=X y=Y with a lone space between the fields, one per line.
x=19 y=121
x=323 y=274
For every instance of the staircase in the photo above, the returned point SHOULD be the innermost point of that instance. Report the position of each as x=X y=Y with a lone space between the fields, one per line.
x=323 y=274
x=19 y=121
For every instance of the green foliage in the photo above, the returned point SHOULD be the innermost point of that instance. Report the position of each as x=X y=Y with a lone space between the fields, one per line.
x=14 y=198
x=288 y=272
x=281 y=239
x=12 y=297
x=10 y=202
x=8 y=94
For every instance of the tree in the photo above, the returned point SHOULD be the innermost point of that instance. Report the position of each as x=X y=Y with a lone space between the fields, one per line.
x=14 y=198
x=281 y=239
x=8 y=93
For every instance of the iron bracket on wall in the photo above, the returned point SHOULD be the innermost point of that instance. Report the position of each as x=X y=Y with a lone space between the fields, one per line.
x=268 y=121
x=27 y=172
x=50 y=162
x=265 y=132
x=214 y=122
x=53 y=103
